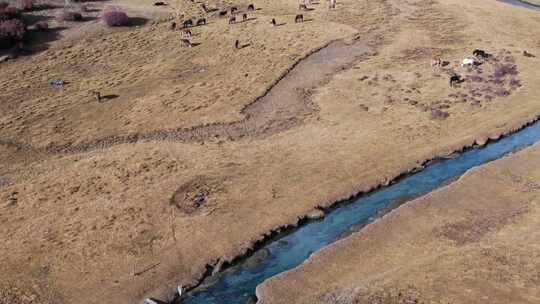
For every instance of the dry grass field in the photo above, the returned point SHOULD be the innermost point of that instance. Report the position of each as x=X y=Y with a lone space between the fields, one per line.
x=184 y=165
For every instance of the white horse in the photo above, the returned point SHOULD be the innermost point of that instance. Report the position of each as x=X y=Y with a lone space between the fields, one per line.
x=468 y=62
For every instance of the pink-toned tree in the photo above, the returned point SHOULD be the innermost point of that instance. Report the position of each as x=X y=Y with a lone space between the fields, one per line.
x=115 y=18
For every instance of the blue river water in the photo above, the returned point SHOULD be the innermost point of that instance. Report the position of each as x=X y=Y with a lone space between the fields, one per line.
x=237 y=284
x=523 y=4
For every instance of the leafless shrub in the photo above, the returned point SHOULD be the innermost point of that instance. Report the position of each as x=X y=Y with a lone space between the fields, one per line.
x=475 y=78
x=515 y=83
x=502 y=93
x=509 y=59
x=501 y=70
x=439 y=114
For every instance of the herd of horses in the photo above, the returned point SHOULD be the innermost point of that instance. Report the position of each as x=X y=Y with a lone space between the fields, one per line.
x=478 y=57
x=233 y=11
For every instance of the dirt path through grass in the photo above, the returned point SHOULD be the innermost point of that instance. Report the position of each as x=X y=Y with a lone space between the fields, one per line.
x=283 y=106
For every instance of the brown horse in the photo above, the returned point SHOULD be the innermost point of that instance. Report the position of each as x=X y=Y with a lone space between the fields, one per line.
x=201 y=21
x=97 y=95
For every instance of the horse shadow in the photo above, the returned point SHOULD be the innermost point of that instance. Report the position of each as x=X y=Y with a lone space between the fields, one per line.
x=137 y=21
x=108 y=98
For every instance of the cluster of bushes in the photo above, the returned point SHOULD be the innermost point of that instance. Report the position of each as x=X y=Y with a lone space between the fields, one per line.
x=12 y=27
x=27 y=5
x=111 y=17
x=115 y=18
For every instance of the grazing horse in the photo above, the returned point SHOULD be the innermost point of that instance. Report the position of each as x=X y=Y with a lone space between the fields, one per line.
x=172 y=26
x=233 y=10
x=302 y=7
x=205 y=9
x=455 y=79
x=251 y=7
x=188 y=23
x=232 y=20
x=223 y=13
x=186 y=34
x=527 y=54
x=273 y=22
x=97 y=95
x=201 y=21
x=468 y=62
x=480 y=54
x=237 y=44
x=244 y=17
x=299 y=18
x=185 y=43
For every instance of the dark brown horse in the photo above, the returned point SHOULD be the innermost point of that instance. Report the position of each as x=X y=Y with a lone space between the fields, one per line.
x=188 y=23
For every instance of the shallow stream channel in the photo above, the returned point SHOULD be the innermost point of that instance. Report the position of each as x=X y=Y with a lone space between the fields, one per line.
x=236 y=284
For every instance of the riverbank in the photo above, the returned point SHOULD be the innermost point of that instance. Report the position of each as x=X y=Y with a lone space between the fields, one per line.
x=136 y=220
x=473 y=241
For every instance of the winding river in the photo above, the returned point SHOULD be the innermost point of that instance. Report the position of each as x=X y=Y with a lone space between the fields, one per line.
x=237 y=284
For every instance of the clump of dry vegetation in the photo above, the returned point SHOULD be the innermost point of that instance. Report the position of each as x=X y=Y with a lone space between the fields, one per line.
x=12 y=27
x=115 y=18
x=27 y=5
